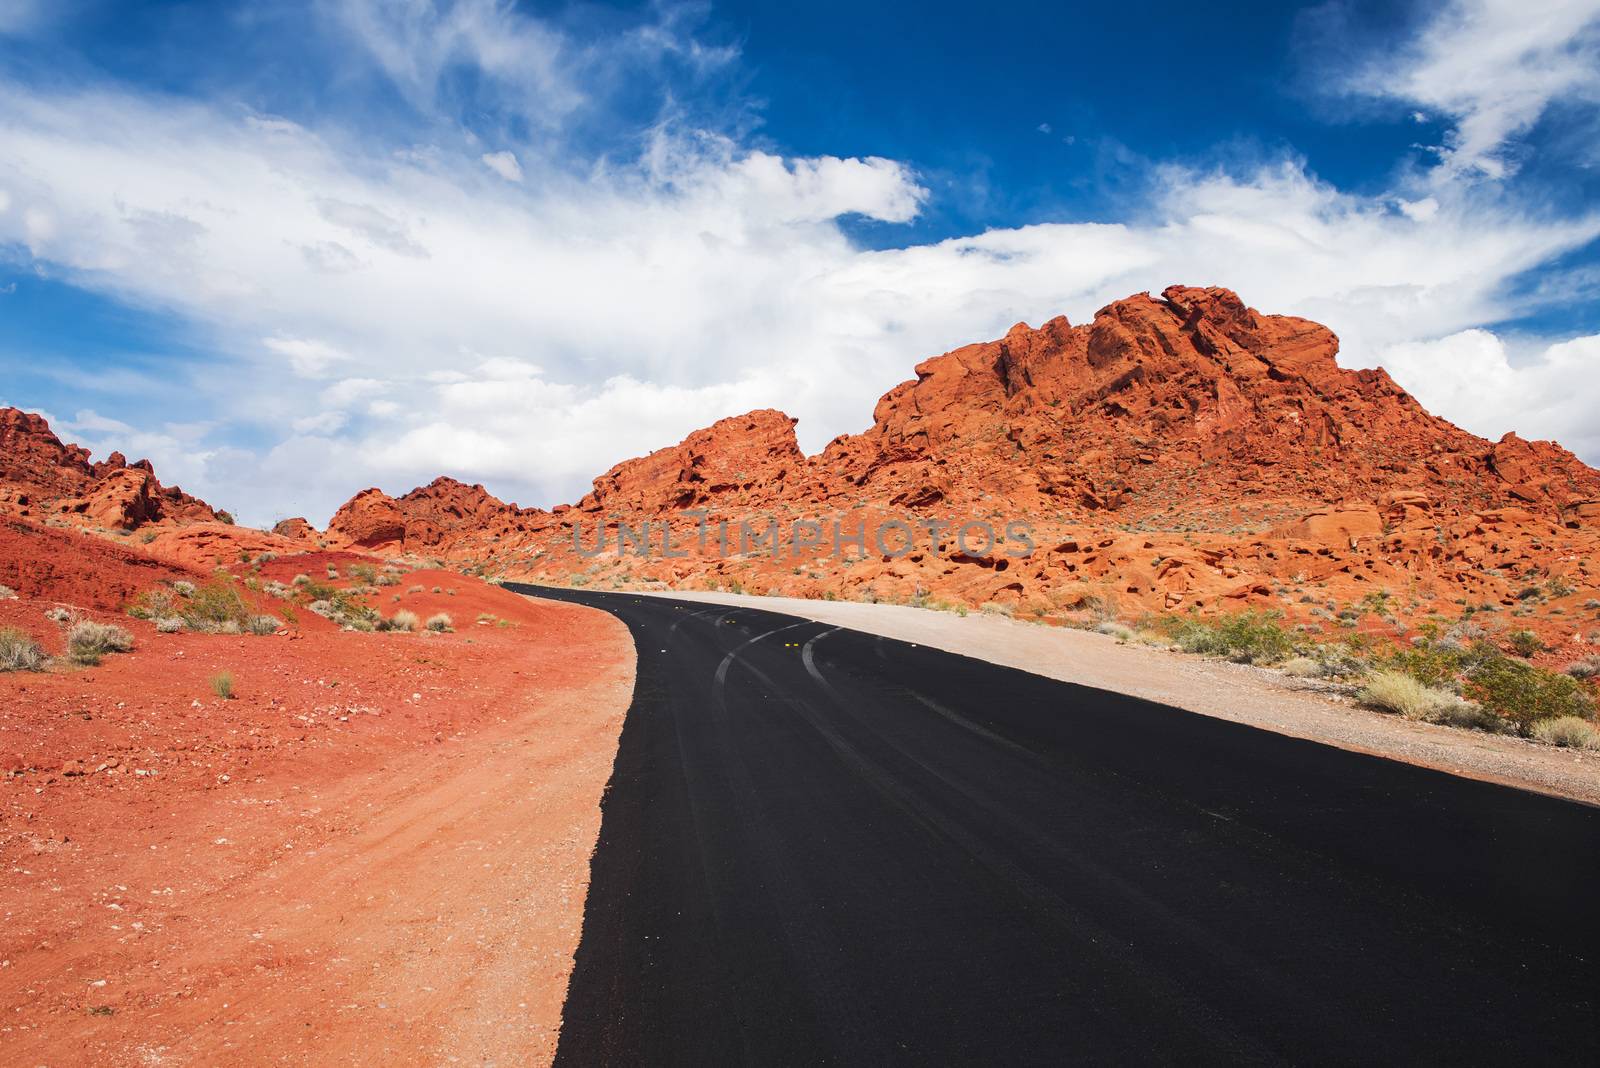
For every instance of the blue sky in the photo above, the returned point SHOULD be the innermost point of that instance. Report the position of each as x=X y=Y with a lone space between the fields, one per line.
x=290 y=249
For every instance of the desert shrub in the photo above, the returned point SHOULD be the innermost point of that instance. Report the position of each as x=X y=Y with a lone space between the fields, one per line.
x=414 y=589
x=1525 y=642
x=7 y=593
x=1304 y=667
x=169 y=625
x=212 y=607
x=19 y=652
x=1397 y=692
x=300 y=580
x=225 y=517
x=387 y=579
x=222 y=685
x=322 y=608
x=277 y=589
x=402 y=620
x=154 y=604
x=1587 y=668
x=1568 y=731
x=88 y=641
x=183 y=588
x=440 y=622
x=485 y=617
x=263 y=624
x=58 y=614
x=364 y=572
x=1523 y=695
x=438 y=589
x=1247 y=638
x=997 y=608
x=1114 y=630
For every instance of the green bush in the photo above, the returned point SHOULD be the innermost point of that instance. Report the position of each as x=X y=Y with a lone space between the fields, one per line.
x=1525 y=643
x=216 y=607
x=19 y=652
x=1523 y=695
x=1247 y=638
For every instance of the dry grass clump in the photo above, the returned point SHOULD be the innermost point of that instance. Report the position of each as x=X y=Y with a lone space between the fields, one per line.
x=222 y=685
x=19 y=652
x=7 y=593
x=169 y=625
x=1396 y=692
x=1115 y=630
x=1587 y=668
x=1567 y=731
x=405 y=620
x=88 y=642
x=440 y=623
x=59 y=614
x=1301 y=667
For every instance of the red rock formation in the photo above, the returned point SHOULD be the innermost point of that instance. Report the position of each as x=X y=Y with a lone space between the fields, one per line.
x=1175 y=452
x=41 y=477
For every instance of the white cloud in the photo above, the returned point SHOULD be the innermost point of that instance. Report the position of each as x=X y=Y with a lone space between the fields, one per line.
x=1494 y=67
x=504 y=164
x=1489 y=387
x=393 y=313
x=308 y=357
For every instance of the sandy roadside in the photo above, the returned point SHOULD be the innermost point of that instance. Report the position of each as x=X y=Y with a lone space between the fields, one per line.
x=1254 y=696
x=421 y=905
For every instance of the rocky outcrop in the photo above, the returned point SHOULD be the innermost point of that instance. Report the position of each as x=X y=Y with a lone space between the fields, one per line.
x=41 y=477
x=1177 y=452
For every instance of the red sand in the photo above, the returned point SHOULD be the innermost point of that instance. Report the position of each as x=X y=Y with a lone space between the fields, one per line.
x=377 y=851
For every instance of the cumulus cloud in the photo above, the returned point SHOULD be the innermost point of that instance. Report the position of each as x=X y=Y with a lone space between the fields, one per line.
x=1489 y=385
x=1493 y=67
x=504 y=164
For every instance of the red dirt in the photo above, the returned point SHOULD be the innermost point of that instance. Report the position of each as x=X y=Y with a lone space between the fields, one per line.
x=376 y=852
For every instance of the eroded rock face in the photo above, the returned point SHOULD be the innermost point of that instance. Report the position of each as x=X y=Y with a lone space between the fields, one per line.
x=296 y=528
x=1176 y=452
x=371 y=520
x=41 y=477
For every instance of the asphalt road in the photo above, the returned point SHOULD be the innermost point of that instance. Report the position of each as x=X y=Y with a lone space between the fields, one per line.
x=824 y=846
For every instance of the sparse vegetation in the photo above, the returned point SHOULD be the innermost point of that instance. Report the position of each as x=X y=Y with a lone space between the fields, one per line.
x=1115 y=630
x=1397 y=692
x=402 y=620
x=1567 y=731
x=19 y=652
x=222 y=685
x=1525 y=643
x=1246 y=638
x=440 y=623
x=1523 y=695
x=7 y=593
x=88 y=642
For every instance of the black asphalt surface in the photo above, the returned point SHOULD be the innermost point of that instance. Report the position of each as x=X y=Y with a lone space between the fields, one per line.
x=824 y=846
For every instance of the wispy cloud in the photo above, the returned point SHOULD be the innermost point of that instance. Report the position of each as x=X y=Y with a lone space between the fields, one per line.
x=1492 y=68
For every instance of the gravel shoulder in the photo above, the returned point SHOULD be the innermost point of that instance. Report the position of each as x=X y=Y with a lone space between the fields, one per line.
x=1257 y=697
